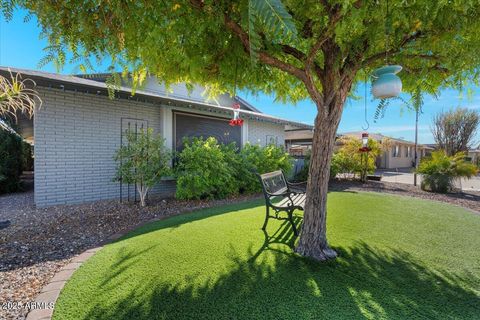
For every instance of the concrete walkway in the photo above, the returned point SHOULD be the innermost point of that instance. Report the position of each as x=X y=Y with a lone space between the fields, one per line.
x=405 y=175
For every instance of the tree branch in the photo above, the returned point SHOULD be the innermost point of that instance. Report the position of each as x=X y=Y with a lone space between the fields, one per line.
x=406 y=40
x=262 y=55
x=301 y=56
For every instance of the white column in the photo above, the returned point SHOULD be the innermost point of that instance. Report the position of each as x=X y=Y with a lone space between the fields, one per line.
x=167 y=126
x=245 y=132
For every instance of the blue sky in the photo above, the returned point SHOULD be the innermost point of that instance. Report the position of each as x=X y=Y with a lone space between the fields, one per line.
x=21 y=46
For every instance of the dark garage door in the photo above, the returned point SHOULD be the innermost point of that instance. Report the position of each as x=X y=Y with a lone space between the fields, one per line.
x=190 y=126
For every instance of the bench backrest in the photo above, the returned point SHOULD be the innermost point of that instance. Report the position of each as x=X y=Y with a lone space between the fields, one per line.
x=273 y=182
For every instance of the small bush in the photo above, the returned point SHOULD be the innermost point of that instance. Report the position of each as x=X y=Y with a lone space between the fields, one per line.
x=257 y=159
x=27 y=155
x=207 y=169
x=348 y=160
x=143 y=161
x=439 y=171
x=11 y=161
x=302 y=175
x=204 y=170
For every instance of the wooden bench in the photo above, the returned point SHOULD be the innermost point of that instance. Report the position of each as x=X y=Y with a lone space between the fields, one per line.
x=282 y=196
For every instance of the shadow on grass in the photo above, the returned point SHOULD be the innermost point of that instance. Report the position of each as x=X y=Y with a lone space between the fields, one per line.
x=275 y=283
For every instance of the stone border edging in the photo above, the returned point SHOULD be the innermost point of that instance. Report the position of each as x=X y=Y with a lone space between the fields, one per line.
x=51 y=291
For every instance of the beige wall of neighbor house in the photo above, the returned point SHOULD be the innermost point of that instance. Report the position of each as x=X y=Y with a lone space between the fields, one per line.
x=399 y=154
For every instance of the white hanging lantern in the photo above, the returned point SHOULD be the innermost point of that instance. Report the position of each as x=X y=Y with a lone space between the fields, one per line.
x=386 y=83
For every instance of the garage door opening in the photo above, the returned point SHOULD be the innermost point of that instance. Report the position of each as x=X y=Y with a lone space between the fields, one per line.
x=189 y=126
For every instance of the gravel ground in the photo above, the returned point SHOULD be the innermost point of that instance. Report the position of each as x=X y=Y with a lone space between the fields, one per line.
x=39 y=241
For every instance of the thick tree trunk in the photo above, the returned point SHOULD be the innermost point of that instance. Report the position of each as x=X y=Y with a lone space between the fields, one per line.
x=313 y=238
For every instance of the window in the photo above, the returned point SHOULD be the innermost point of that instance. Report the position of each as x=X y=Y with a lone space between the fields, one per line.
x=396 y=151
x=271 y=140
x=408 y=152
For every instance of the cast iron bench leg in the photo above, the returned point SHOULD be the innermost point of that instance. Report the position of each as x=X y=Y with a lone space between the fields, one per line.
x=266 y=217
x=290 y=218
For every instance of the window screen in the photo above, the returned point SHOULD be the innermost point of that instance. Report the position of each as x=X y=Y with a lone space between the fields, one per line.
x=189 y=126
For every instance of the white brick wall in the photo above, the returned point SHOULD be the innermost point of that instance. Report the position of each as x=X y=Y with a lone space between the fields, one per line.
x=76 y=136
x=258 y=132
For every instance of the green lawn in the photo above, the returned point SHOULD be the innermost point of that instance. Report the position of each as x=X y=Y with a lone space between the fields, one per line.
x=400 y=258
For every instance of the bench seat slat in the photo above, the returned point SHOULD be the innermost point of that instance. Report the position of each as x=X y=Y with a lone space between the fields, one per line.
x=298 y=201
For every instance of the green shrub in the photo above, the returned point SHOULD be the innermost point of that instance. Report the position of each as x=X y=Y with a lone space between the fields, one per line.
x=302 y=175
x=11 y=161
x=27 y=157
x=348 y=160
x=207 y=169
x=439 y=171
x=257 y=159
x=337 y=165
x=204 y=170
x=143 y=161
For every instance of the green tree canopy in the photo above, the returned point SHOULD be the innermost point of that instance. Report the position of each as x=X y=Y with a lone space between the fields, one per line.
x=292 y=48
x=204 y=41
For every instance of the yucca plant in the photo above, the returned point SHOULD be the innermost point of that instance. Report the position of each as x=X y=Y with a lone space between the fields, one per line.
x=17 y=96
x=440 y=171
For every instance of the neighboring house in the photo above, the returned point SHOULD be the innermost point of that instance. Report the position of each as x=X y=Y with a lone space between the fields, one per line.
x=78 y=129
x=298 y=141
x=474 y=155
x=400 y=153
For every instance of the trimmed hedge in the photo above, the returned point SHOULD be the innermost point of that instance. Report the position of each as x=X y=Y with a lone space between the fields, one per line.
x=209 y=170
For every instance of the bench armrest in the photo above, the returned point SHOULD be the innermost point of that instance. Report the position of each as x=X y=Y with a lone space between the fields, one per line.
x=283 y=194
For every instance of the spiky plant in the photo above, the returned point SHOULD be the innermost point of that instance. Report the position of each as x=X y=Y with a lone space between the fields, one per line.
x=17 y=96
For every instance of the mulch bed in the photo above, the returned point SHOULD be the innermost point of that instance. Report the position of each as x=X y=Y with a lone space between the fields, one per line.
x=37 y=242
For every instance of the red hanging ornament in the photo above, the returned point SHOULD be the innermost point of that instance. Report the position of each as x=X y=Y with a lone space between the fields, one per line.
x=236 y=121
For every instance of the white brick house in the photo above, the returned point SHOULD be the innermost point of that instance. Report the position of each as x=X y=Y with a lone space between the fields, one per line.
x=78 y=129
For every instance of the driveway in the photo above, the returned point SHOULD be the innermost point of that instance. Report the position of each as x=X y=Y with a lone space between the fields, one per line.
x=405 y=175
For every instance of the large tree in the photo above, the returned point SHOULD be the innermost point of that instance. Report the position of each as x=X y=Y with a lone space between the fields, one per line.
x=296 y=49
x=454 y=131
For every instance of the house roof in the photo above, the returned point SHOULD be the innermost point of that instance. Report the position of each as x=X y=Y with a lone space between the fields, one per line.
x=173 y=92
x=301 y=135
x=380 y=137
x=82 y=84
x=306 y=135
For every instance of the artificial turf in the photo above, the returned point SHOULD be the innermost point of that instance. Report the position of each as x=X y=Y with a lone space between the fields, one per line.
x=399 y=258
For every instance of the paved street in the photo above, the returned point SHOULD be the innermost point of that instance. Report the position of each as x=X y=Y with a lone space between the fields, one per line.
x=404 y=175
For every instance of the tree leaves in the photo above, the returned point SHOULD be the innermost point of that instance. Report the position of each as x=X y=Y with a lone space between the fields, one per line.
x=272 y=18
